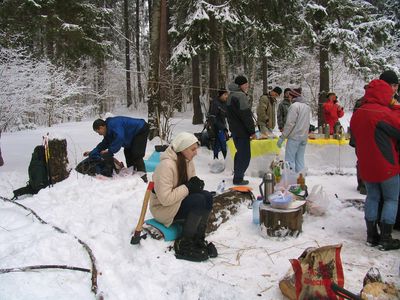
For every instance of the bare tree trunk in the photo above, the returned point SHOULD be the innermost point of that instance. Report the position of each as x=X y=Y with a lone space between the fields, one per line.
x=164 y=78
x=103 y=105
x=153 y=103
x=213 y=62
x=323 y=81
x=265 y=74
x=138 y=64
x=197 y=113
x=223 y=68
x=127 y=55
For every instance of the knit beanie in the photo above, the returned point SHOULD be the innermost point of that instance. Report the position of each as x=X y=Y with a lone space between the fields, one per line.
x=277 y=90
x=240 y=79
x=390 y=77
x=221 y=92
x=182 y=141
x=295 y=92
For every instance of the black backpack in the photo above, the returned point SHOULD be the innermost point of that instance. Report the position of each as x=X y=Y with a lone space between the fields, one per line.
x=103 y=165
x=37 y=171
x=208 y=135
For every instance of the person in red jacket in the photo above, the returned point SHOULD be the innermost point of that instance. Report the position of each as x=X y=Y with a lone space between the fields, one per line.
x=332 y=111
x=376 y=131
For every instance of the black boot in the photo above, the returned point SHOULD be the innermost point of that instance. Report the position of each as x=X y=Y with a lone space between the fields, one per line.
x=201 y=236
x=386 y=241
x=187 y=247
x=372 y=233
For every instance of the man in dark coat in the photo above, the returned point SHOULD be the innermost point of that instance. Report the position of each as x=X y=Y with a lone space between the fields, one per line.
x=283 y=108
x=241 y=125
x=218 y=117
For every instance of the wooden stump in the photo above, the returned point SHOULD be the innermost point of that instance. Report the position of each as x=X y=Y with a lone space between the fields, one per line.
x=58 y=160
x=226 y=205
x=281 y=222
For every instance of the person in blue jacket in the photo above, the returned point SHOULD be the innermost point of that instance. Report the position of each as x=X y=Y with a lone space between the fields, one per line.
x=126 y=132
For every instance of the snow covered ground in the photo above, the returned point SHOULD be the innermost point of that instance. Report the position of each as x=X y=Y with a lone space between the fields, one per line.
x=103 y=214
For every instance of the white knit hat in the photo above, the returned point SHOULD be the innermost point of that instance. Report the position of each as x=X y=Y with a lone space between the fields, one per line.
x=183 y=140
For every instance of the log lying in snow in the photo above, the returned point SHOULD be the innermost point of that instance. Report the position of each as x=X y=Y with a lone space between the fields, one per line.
x=226 y=205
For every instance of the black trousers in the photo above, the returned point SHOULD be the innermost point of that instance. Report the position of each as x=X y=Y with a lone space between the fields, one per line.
x=136 y=151
x=197 y=202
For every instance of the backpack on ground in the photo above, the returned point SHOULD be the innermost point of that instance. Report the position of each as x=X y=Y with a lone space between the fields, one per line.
x=38 y=174
x=208 y=135
x=97 y=164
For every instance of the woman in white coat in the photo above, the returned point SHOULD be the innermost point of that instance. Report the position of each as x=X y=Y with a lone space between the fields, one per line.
x=179 y=196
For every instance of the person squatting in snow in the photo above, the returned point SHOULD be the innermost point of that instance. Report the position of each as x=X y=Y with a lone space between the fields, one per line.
x=179 y=196
x=375 y=127
x=126 y=132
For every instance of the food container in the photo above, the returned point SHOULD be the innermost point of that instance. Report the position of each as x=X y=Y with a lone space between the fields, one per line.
x=280 y=200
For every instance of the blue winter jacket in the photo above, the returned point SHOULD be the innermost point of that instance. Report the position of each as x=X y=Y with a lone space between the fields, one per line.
x=120 y=133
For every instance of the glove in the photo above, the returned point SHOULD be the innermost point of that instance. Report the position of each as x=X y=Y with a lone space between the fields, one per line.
x=195 y=185
x=280 y=141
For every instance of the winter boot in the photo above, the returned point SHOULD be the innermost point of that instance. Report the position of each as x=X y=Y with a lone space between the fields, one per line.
x=186 y=247
x=386 y=241
x=201 y=235
x=372 y=233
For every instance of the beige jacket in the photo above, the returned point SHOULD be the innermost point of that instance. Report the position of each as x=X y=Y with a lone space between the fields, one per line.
x=266 y=111
x=165 y=202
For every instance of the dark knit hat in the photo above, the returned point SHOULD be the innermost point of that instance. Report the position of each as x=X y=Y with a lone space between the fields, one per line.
x=240 y=79
x=221 y=91
x=390 y=77
x=295 y=92
x=277 y=90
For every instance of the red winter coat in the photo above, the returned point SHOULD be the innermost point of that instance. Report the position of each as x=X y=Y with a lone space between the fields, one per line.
x=332 y=113
x=376 y=128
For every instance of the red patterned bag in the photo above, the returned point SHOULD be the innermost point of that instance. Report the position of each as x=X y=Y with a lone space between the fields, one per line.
x=314 y=272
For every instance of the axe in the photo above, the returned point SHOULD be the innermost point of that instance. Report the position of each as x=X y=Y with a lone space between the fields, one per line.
x=136 y=237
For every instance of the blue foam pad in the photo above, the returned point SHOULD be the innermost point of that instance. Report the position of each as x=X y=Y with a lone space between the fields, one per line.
x=152 y=162
x=170 y=233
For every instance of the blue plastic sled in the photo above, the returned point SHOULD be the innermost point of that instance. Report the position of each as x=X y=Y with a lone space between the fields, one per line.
x=170 y=233
x=152 y=162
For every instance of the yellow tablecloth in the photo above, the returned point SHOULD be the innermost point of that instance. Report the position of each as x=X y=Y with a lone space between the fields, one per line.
x=268 y=146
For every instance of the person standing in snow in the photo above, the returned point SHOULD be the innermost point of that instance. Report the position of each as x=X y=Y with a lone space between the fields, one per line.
x=218 y=114
x=283 y=109
x=126 y=132
x=241 y=125
x=179 y=195
x=296 y=131
x=376 y=130
x=266 y=111
x=332 y=111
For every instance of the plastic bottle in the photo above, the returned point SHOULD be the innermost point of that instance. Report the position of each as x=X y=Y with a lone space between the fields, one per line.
x=221 y=187
x=327 y=131
x=301 y=181
x=256 y=209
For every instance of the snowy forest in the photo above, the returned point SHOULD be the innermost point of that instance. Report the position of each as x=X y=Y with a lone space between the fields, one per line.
x=67 y=60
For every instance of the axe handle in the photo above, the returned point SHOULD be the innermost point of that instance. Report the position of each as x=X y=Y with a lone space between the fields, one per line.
x=139 y=225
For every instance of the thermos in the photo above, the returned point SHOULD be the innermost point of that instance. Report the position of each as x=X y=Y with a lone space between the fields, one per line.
x=267 y=186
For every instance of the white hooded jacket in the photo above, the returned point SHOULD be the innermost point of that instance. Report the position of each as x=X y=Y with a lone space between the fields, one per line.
x=298 y=120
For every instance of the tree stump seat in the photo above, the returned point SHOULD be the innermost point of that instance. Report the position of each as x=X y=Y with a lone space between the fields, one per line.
x=281 y=222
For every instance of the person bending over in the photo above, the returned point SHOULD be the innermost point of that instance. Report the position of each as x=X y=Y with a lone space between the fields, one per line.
x=126 y=132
